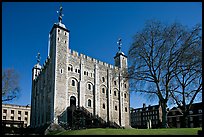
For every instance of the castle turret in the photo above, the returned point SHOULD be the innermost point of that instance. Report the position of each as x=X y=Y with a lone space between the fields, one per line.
x=120 y=58
x=37 y=68
x=59 y=50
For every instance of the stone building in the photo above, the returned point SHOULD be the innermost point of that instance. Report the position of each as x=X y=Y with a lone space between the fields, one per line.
x=68 y=78
x=15 y=115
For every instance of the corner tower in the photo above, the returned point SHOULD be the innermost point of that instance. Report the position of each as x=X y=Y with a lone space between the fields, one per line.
x=58 y=53
x=120 y=57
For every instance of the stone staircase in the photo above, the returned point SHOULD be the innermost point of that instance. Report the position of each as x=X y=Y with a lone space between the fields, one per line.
x=81 y=118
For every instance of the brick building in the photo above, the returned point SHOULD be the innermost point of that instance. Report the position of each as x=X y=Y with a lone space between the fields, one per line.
x=194 y=116
x=146 y=117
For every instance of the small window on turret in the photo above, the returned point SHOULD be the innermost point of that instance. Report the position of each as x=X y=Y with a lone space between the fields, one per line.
x=65 y=41
x=125 y=109
x=65 y=33
x=58 y=30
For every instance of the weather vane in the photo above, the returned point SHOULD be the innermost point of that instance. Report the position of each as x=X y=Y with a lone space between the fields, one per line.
x=119 y=43
x=60 y=14
x=38 y=57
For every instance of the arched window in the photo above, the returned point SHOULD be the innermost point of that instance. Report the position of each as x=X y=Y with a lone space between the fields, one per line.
x=103 y=79
x=73 y=82
x=70 y=68
x=103 y=106
x=115 y=83
x=114 y=93
x=116 y=108
x=89 y=86
x=103 y=90
x=125 y=95
x=89 y=103
x=125 y=85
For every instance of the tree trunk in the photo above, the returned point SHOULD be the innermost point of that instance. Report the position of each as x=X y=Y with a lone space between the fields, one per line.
x=164 y=114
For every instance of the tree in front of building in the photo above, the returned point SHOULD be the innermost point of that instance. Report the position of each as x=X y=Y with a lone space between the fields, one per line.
x=188 y=76
x=10 y=84
x=154 y=59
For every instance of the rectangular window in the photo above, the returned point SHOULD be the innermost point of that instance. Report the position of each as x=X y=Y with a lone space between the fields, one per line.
x=4 y=117
x=26 y=113
x=4 y=111
x=12 y=117
x=12 y=111
x=19 y=112
x=19 y=118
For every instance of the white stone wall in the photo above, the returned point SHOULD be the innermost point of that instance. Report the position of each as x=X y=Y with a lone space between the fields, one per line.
x=16 y=113
x=53 y=87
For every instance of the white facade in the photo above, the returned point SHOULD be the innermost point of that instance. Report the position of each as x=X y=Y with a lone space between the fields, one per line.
x=16 y=113
x=67 y=75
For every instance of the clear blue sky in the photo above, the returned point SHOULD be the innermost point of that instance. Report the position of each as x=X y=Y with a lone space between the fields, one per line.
x=94 y=30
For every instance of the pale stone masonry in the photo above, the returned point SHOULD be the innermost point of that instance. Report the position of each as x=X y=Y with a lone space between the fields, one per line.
x=16 y=113
x=68 y=77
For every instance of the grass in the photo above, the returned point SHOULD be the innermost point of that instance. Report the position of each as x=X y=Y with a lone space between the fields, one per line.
x=132 y=131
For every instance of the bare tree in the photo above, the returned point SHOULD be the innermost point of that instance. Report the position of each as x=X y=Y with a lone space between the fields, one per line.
x=188 y=76
x=154 y=57
x=10 y=84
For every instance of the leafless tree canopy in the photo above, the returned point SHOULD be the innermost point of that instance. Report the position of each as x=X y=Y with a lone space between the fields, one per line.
x=10 y=84
x=157 y=55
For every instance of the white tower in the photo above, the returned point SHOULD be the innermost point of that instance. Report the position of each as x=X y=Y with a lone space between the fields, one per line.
x=59 y=47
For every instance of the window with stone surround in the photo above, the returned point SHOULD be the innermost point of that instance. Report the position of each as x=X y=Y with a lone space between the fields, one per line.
x=115 y=83
x=103 y=79
x=125 y=85
x=70 y=67
x=104 y=106
x=103 y=90
x=12 y=111
x=4 y=111
x=116 y=108
x=89 y=86
x=115 y=93
x=73 y=82
x=89 y=103
x=125 y=109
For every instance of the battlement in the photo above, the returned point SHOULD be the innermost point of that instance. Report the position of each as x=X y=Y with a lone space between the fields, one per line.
x=82 y=56
x=44 y=66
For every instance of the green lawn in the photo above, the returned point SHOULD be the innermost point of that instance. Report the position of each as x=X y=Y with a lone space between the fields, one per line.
x=109 y=131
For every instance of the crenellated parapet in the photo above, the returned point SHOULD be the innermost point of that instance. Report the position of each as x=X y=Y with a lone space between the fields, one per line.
x=90 y=59
x=44 y=67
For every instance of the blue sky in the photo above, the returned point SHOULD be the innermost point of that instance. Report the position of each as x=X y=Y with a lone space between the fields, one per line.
x=94 y=30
